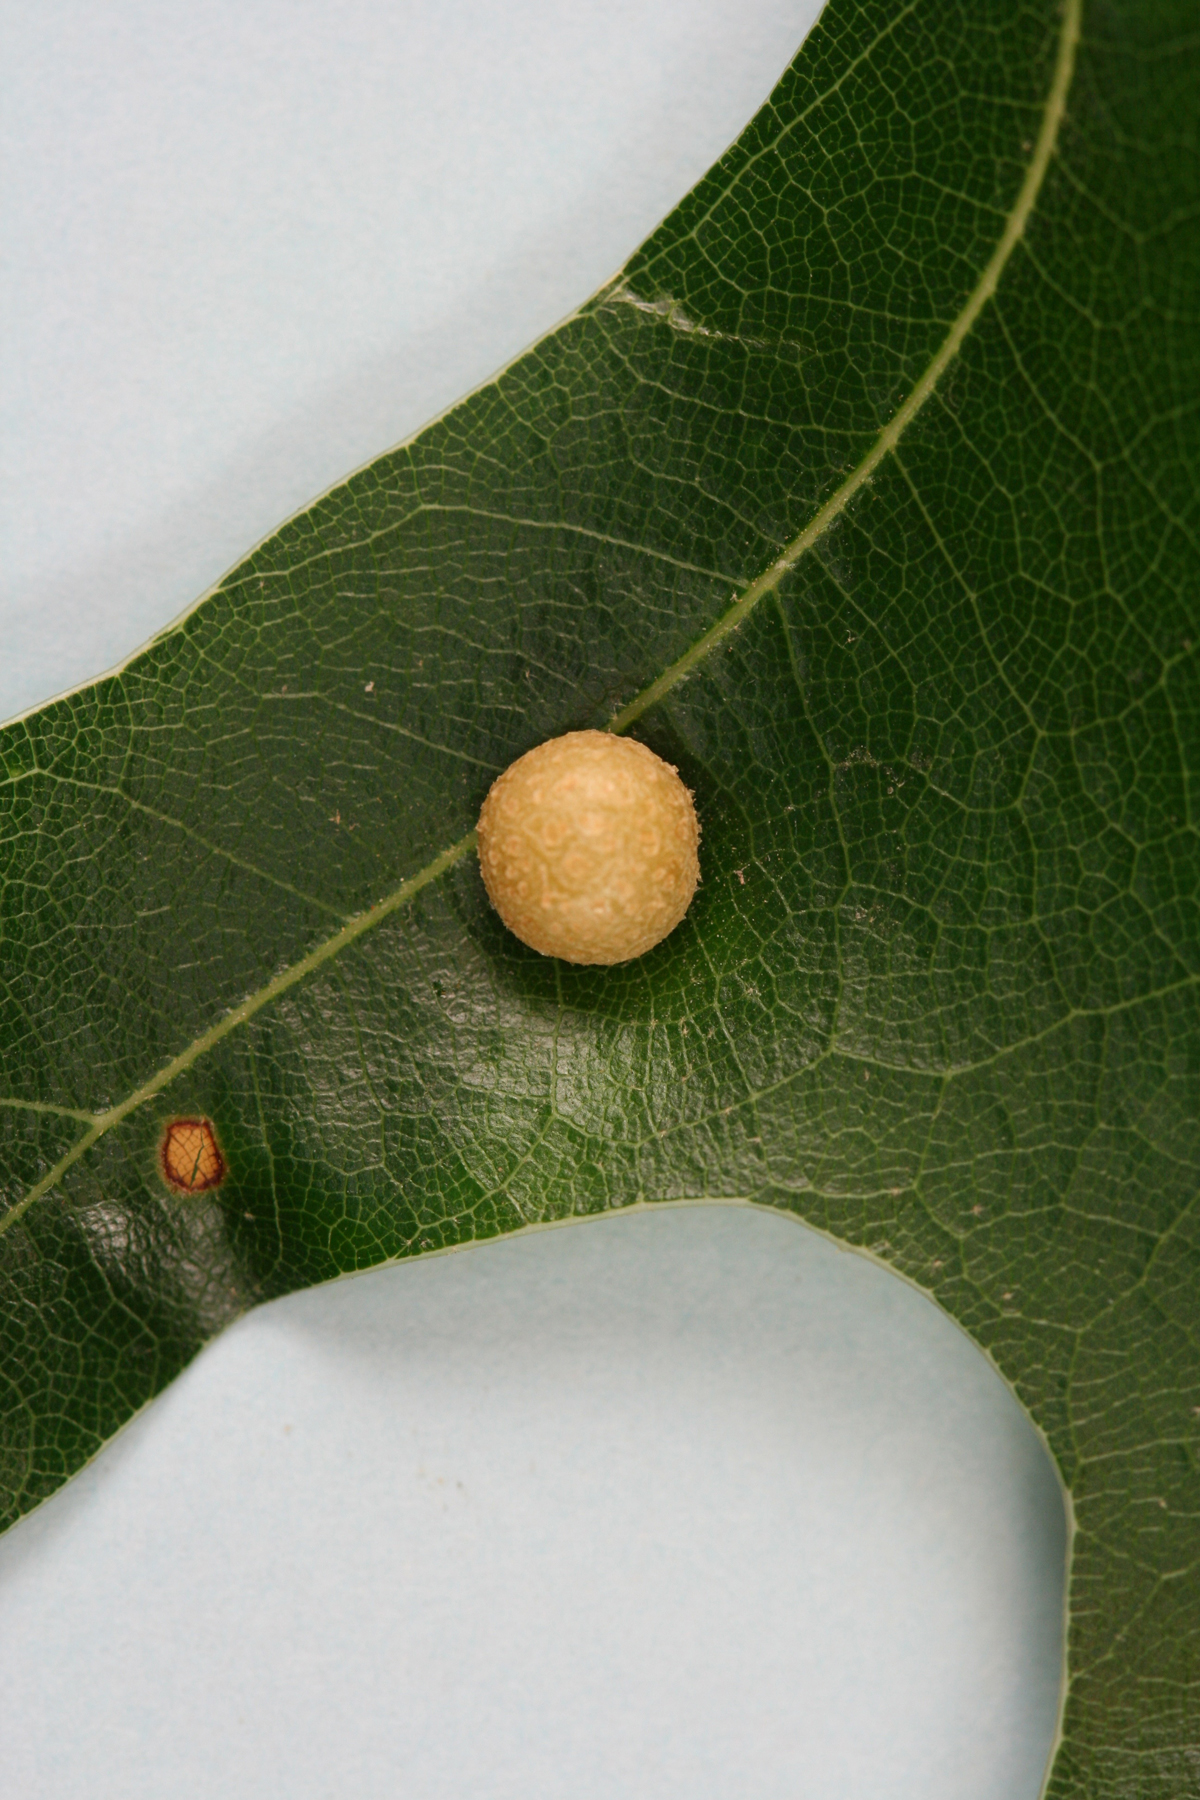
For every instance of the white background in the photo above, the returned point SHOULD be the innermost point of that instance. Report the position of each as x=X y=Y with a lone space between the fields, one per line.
x=676 y=1504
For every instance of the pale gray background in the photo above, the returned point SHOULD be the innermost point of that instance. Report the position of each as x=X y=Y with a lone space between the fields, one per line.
x=683 y=1504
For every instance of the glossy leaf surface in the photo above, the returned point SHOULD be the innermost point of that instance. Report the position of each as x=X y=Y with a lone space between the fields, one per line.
x=867 y=495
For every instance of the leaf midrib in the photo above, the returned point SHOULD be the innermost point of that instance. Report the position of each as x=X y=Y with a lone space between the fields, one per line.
x=731 y=619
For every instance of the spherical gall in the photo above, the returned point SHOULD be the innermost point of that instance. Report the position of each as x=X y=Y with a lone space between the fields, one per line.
x=588 y=848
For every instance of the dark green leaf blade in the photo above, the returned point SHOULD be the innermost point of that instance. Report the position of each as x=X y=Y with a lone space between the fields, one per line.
x=868 y=496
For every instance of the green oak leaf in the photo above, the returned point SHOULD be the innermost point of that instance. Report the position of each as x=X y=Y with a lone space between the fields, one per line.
x=867 y=494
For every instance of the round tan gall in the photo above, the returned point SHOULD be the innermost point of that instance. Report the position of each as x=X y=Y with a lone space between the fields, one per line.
x=588 y=848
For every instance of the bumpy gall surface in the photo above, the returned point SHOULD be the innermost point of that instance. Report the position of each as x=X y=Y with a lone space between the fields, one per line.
x=588 y=846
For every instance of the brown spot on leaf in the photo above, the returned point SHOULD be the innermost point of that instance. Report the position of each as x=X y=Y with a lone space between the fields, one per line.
x=191 y=1157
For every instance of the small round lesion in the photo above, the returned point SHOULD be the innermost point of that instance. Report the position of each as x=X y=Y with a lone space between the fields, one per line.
x=190 y=1157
